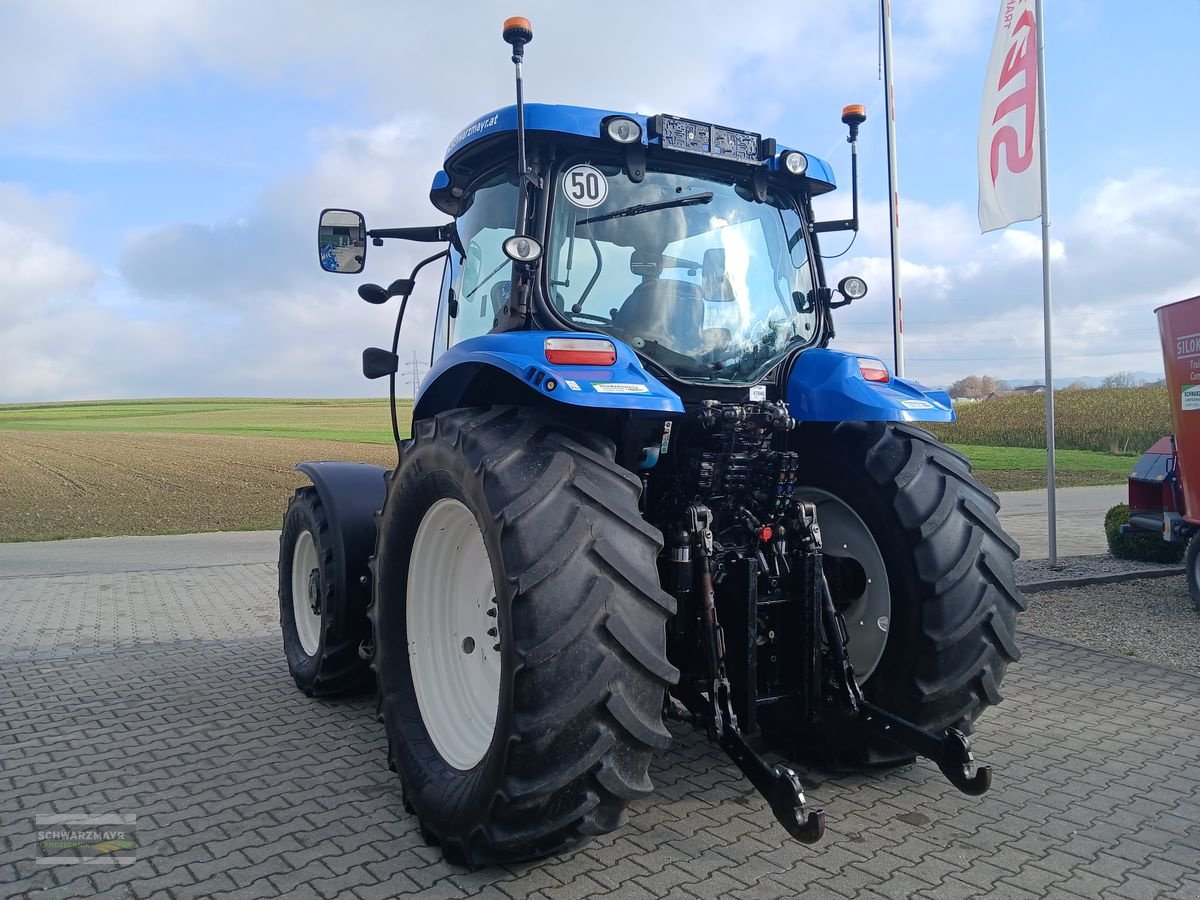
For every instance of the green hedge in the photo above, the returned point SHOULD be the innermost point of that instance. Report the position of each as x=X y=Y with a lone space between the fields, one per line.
x=1144 y=546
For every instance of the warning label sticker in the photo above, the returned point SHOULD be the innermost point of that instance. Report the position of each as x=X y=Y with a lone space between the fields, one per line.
x=618 y=387
x=917 y=404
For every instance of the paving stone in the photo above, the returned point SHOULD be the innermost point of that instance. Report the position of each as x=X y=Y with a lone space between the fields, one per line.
x=245 y=788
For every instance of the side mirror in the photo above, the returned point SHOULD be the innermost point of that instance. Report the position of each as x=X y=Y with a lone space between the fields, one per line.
x=851 y=288
x=342 y=241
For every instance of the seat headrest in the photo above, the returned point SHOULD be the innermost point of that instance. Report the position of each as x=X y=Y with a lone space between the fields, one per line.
x=646 y=262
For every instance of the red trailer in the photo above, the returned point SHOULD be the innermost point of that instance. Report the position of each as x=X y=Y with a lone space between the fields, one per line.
x=1164 y=487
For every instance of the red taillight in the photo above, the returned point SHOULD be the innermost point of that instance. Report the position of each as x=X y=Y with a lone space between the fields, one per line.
x=873 y=370
x=580 y=352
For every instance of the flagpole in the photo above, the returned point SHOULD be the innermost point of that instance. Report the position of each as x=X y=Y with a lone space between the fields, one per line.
x=1051 y=487
x=885 y=11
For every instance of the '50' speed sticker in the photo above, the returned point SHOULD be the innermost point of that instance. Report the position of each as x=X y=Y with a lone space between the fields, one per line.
x=585 y=186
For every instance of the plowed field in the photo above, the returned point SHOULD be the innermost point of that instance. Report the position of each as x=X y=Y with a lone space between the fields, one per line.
x=60 y=484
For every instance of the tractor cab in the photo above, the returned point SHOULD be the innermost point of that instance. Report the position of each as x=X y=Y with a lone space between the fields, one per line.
x=687 y=241
x=692 y=244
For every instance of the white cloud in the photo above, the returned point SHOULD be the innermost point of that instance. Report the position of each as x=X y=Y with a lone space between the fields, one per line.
x=426 y=56
x=241 y=307
x=37 y=267
x=973 y=303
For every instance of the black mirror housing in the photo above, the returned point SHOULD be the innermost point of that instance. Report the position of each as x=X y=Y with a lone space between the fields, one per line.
x=377 y=362
x=342 y=241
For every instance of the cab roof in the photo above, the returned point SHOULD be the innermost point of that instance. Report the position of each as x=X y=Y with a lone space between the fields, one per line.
x=584 y=121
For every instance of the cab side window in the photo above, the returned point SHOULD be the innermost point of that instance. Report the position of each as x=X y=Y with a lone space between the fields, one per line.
x=483 y=277
x=445 y=296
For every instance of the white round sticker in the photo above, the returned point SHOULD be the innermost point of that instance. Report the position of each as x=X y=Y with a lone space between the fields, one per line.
x=585 y=186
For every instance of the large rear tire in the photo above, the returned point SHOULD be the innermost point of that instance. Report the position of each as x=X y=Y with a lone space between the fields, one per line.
x=951 y=626
x=519 y=741
x=319 y=640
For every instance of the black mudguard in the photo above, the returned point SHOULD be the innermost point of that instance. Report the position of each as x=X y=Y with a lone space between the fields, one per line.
x=351 y=493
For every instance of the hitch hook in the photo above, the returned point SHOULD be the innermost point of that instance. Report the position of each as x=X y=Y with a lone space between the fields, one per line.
x=958 y=765
x=786 y=798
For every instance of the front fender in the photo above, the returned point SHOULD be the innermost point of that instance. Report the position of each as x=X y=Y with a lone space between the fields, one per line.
x=828 y=386
x=625 y=385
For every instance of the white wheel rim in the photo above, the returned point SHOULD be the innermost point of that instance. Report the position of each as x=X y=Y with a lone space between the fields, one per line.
x=455 y=666
x=868 y=615
x=306 y=593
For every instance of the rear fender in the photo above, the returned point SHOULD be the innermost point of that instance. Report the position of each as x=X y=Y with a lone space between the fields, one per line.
x=828 y=386
x=351 y=493
x=625 y=385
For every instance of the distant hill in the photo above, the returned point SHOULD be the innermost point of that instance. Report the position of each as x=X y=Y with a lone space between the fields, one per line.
x=1088 y=381
x=1091 y=381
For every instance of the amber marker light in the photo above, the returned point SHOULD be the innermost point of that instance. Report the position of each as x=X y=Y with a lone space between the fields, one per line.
x=519 y=28
x=854 y=114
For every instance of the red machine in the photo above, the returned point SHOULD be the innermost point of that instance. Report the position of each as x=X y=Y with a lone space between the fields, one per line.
x=1164 y=487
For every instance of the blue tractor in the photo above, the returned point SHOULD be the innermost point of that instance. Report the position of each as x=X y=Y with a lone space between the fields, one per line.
x=641 y=483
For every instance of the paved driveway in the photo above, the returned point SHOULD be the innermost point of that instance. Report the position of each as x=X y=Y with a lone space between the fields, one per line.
x=163 y=694
x=1023 y=513
x=1080 y=519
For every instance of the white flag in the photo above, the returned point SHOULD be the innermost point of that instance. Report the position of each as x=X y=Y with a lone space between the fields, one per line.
x=1009 y=165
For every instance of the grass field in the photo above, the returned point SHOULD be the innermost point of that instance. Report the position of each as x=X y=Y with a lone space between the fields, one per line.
x=1024 y=468
x=365 y=421
x=1105 y=420
x=171 y=466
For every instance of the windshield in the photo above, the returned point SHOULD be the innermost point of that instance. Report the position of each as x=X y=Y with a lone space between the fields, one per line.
x=692 y=272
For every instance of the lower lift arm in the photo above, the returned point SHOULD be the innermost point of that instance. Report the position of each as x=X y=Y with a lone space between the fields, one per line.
x=950 y=750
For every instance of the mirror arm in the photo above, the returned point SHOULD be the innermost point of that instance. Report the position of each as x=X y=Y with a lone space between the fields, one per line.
x=407 y=283
x=835 y=225
x=850 y=224
x=428 y=234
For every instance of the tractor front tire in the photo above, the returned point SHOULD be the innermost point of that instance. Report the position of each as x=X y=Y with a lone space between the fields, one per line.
x=520 y=634
x=949 y=564
x=321 y=646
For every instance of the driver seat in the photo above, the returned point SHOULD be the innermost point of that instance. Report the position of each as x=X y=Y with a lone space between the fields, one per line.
x=666 y=311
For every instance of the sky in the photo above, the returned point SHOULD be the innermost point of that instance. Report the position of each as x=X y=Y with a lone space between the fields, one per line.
x=162 y=166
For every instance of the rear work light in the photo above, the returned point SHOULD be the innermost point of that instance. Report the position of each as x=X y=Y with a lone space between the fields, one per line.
x=873 y=370
x=580 y=352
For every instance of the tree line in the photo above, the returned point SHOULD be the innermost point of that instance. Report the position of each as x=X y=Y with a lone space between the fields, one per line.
x=977 y=387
